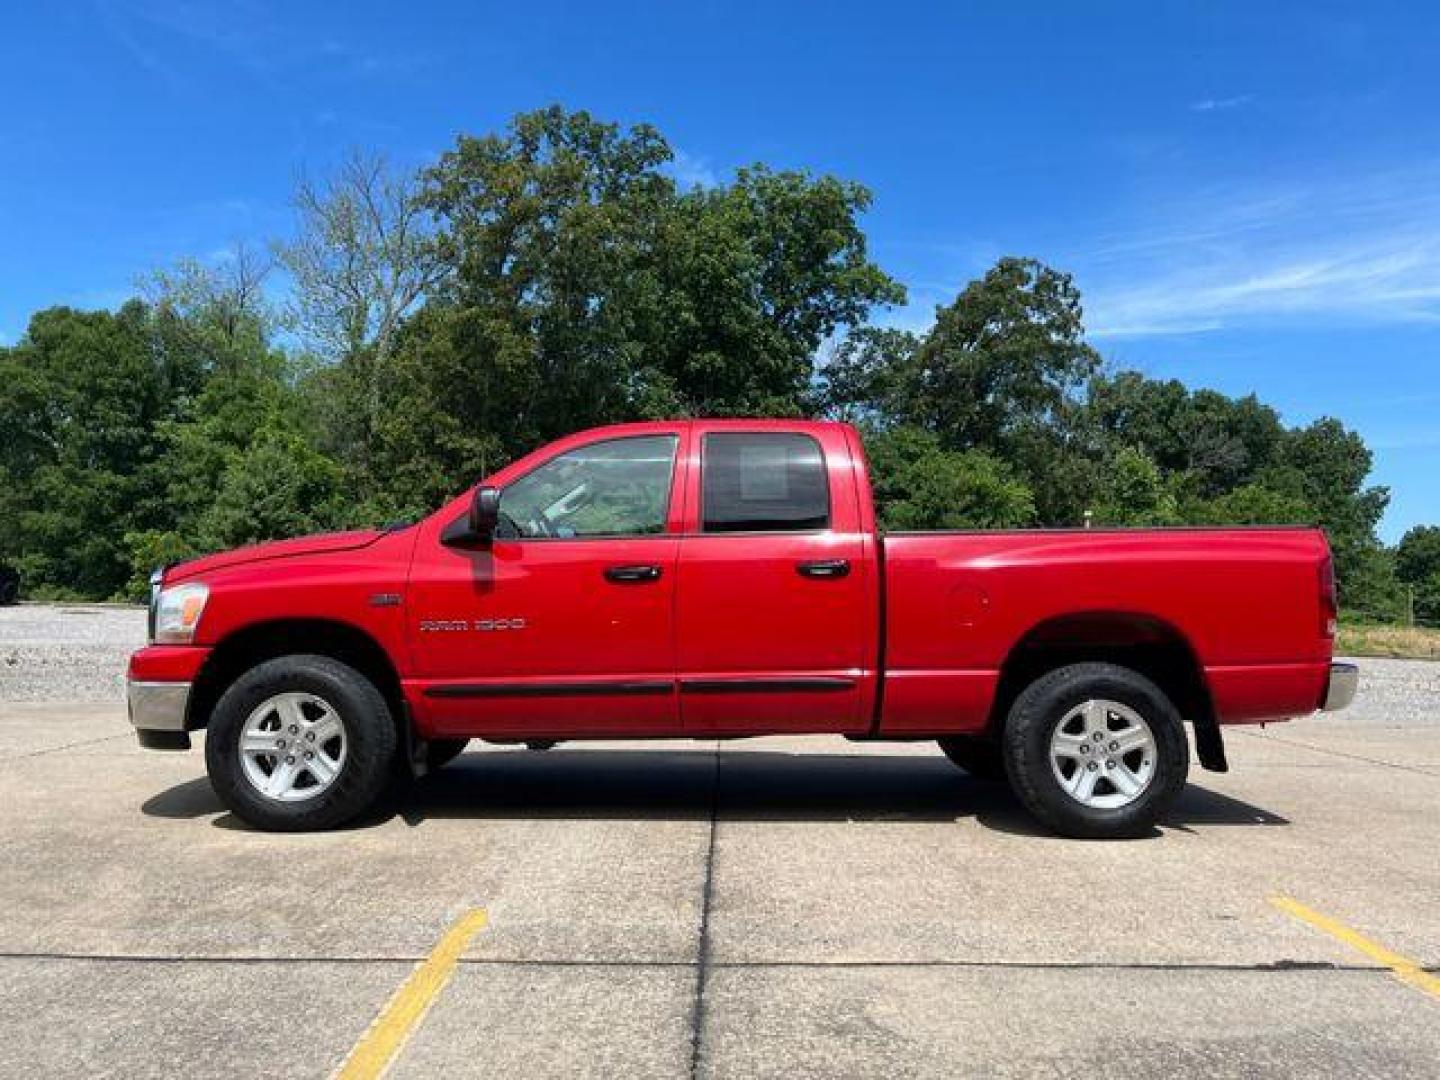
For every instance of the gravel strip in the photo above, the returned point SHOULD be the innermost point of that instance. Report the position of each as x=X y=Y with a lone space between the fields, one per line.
x=67 y=652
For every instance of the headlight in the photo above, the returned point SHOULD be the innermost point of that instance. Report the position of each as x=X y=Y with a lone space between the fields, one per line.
x=176 y=613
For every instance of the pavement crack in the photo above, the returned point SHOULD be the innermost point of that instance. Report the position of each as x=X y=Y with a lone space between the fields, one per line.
x=702 y=952
x=1339 y=753
x=66 y=746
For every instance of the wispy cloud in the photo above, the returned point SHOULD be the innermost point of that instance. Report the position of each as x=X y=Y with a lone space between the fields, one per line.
x=148 y=30
x=1393 y=283
x=173 y=38
x=116 y=22
x=1220 y=104
x=1358 y=248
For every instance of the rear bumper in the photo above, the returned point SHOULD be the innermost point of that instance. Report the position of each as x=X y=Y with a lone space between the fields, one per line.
x=158 y=711
x=1340 y=691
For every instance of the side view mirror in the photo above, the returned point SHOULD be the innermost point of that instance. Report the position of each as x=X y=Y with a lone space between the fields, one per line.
x=477 y=527
x=485 y=513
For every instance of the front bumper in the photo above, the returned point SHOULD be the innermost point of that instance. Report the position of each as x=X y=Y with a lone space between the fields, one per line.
x=158 y=711
x=1340 y=691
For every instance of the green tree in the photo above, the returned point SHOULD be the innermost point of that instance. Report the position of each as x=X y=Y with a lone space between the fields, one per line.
x=1417 y=556
x=215 y=314
x=1252 y=504
x=583 y=289
x=1417 y=565
x=278 y=486
x=1328 y=465
x=364 y=256
x=80 y=397
x=1003 y=370
x=755 y=276
x=549 y=230
x=918 y=485
x=1009 y=352
x=1219 y=442
x=1137 y=492
x=861 y=381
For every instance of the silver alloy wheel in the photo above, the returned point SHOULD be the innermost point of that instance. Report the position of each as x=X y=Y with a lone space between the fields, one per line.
x=1103 y=753
x=292 y=747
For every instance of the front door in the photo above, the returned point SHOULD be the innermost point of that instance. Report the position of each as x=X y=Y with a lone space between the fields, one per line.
x=563 y=626
x=773 y=588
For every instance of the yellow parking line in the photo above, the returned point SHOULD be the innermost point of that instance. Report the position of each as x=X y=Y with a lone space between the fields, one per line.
x=1404 y=969
x=387 y=1034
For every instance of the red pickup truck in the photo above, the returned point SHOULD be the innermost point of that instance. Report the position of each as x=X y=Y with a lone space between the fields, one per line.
x=717 y=579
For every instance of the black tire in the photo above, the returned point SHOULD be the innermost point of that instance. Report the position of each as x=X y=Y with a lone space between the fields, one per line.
x=977 y=755
x=1045 y=703
x=370 y=751
x=440 y=752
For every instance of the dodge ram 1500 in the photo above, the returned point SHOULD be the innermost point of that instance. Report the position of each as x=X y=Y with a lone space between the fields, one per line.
x=718 y=579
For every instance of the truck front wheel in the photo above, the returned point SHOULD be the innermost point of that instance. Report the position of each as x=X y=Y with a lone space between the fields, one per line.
x=1095 y=750
x=300 y=743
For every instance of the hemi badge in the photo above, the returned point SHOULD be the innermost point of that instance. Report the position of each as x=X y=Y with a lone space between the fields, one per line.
x=385 y=599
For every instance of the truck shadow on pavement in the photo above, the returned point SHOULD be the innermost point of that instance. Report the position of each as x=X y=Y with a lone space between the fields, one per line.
x=690 y=785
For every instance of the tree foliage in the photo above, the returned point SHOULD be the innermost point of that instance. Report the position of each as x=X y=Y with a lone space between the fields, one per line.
x=81 y=396
x=1417 y=565
x=919 y=485
x=553 y=276
x=363 y=258
x=1006 y=354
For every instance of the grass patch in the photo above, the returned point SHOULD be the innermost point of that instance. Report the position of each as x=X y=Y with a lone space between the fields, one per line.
x=1400 y=642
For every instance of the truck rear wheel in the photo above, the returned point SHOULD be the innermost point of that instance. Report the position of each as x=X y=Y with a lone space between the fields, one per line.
x=1096 y=750
x=300 y=743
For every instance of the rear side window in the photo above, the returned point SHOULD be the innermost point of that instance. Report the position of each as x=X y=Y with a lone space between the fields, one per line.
x=763 y=482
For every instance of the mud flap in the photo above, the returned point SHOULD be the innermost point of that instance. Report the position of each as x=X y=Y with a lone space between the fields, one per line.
x=1209 y=746
x=417 y=756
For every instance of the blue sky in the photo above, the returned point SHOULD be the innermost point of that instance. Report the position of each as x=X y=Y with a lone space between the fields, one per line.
x=1248 y=194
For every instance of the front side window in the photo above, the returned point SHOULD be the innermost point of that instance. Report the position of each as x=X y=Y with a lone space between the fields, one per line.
x=764 y=482
x=620 y=487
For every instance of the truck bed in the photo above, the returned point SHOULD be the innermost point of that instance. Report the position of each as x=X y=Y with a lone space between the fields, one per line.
x=1245 y=603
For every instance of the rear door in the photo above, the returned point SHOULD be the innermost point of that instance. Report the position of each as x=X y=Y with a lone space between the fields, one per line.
x=773 y=584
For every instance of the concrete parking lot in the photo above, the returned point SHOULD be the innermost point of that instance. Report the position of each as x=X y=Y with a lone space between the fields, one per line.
x=763 y=908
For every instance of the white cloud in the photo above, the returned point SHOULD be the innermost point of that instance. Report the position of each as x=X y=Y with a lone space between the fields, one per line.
x=1364 y=248
x=1218 y=104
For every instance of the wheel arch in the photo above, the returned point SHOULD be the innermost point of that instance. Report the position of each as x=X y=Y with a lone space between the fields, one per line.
x=1137 y=640
x=241 y=650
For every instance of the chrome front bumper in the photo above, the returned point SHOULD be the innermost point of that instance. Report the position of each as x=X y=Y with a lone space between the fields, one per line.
x=1344 y=678
x=157 y=710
